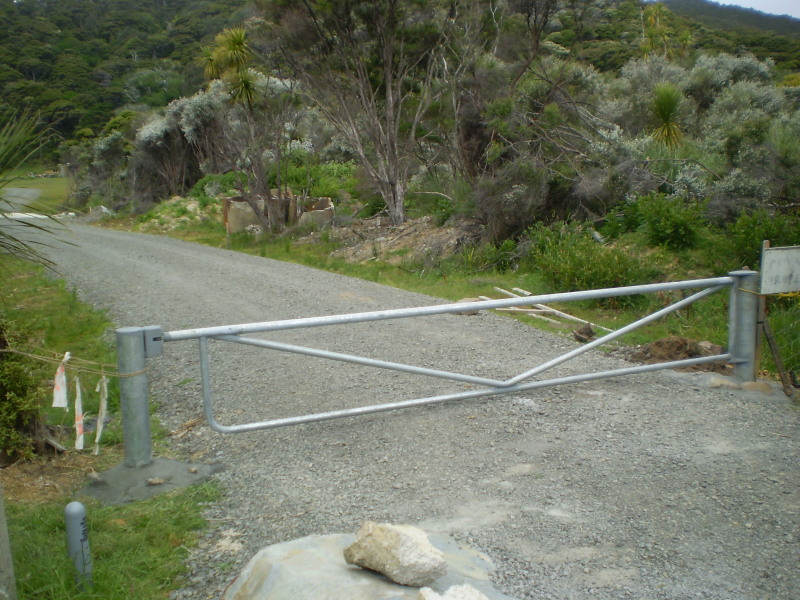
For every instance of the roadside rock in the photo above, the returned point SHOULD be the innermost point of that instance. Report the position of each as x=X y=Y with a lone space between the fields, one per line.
x=311 y=568
x=400 y=552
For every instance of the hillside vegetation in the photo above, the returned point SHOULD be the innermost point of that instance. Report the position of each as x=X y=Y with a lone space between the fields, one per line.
x=550 y=124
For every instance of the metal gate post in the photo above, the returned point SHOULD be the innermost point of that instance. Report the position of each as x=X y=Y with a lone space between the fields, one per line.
x=743 y=323
x=133 y=396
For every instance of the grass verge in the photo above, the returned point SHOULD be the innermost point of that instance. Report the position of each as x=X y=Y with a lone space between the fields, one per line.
x=53 y=192
x=137 y=549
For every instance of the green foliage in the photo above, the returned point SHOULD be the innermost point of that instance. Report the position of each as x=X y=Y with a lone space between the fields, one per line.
x=490 y=257
x=623 y=219
x=570 y=260
x=669 y=221
x=666 y=109
x=46 y=319
x=326 y=179
x=783 y=318
x=20 y=396
x=374 y=205
x=210 y=186
x=748 y=232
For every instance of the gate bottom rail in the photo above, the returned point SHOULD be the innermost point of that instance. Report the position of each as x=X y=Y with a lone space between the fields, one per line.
x=389 y=406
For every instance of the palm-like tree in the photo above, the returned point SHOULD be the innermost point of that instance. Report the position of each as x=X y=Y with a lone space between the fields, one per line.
x=665 y=107
x=231 y=50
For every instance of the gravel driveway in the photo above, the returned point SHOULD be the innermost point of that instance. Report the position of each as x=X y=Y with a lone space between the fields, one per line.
x=650 y=486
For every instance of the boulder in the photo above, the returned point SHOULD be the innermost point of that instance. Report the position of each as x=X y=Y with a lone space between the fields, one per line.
x=400 y=552
x=312 y=568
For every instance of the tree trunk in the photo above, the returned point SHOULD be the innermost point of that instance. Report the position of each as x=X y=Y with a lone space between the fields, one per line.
x=394 y=196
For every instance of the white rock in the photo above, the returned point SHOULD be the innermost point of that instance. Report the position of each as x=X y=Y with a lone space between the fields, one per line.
x=400 y=552
x=457 y=592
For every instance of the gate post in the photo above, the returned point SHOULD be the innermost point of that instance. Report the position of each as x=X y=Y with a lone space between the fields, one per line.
x=743 y=323
x=133 y=396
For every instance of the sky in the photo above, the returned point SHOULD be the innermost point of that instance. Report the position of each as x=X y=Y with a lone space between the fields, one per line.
x=775 y=7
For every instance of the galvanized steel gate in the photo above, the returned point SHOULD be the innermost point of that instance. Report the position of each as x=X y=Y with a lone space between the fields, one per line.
x=137 y=343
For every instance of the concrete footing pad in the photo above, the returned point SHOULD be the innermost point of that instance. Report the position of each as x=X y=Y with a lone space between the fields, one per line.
x=123 y=484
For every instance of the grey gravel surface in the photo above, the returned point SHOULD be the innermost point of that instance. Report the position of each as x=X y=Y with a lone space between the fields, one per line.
x=650 y=486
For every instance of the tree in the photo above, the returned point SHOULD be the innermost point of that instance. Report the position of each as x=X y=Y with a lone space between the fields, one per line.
x=537 y=15
x=268 y=105
x=373 y=69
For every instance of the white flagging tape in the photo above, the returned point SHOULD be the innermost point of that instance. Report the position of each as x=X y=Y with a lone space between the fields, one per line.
x=78 y=415
x=102 y=387
x=60 y=384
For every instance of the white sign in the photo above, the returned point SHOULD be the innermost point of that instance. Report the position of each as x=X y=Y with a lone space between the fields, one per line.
x=780 y=270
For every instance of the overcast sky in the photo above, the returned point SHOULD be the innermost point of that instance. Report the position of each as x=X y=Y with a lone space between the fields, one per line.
x=775 y=7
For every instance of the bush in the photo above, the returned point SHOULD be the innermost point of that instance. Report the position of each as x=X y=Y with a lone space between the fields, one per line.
x=570 y=260
x=671 y=222
x=19 y=402
x=500 y=258
x=751 y=228
x=205 y=190
x=623 y=220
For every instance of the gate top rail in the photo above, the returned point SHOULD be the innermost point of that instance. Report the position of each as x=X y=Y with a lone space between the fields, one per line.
x=400 y=313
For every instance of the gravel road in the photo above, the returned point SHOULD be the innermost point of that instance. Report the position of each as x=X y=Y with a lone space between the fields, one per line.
x=653 y=486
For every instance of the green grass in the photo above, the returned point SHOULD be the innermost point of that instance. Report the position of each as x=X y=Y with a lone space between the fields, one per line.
x=54 y=192
x=137 y=549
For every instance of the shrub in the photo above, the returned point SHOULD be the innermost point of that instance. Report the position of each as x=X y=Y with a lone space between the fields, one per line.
x=570 y=260
x=753 y=227
x=19 y=402
x=669 y=221
x=501 y=258
x=626 y=218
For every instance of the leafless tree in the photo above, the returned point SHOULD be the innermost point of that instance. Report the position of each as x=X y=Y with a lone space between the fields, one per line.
x=372 y=68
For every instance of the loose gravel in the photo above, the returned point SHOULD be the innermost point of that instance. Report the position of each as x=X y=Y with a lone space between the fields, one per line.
x=653 y=486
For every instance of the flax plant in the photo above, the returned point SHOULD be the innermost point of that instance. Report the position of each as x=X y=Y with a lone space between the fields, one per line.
x=666 y=110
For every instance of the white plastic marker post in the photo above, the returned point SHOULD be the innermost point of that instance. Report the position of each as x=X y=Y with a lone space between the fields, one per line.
x=60 y=384
x=78 y=415
x=102 y=387
x=78 y=543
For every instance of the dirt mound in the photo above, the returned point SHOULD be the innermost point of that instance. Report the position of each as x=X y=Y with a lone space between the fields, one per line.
x=677 y=348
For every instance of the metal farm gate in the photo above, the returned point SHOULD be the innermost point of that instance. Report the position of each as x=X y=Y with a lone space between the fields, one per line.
x=135 y=344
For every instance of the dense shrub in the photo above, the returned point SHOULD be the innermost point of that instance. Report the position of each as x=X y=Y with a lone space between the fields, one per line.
x=570 y=259
x=751 y=228
x=210 y=186
x=19 y=402
x=624 y=219
x=669 y=221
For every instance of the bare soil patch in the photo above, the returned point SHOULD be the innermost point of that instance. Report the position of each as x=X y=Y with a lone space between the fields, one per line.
x=49 y=478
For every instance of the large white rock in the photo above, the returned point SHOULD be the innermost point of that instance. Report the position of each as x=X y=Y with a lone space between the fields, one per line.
x=400 y=552
x=312 y=568
x=457 y=592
